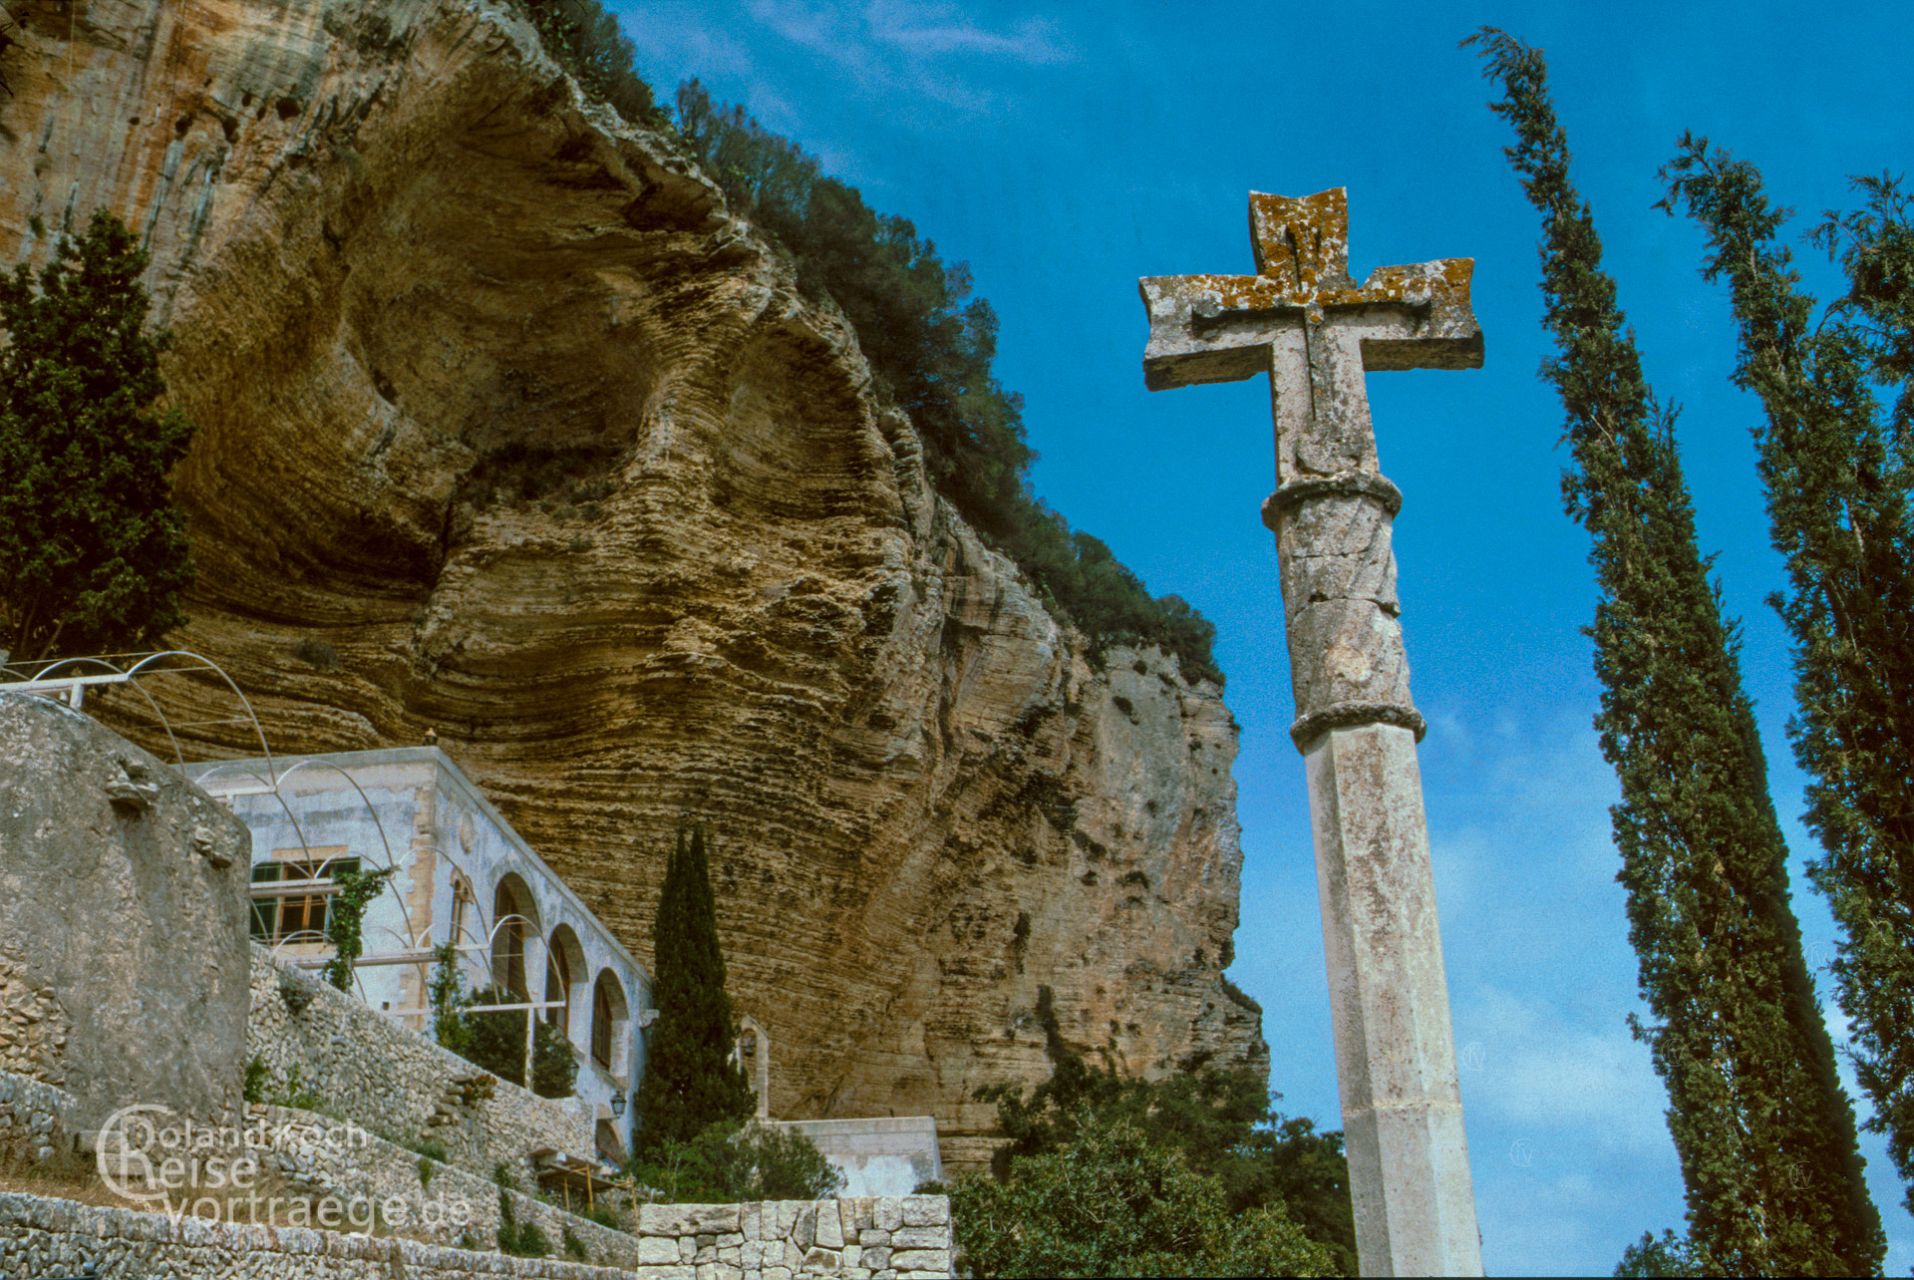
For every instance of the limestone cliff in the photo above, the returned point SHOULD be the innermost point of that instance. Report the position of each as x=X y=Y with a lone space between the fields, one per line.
x=502 y=407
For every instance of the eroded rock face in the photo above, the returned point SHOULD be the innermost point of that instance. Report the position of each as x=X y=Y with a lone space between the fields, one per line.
x=499 y=402
x=123 y=908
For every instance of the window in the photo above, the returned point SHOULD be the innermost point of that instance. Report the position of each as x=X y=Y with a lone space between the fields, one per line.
x=558 y=986
x=601 y=1025
x=608 y=1020
x=515 y=921
x=291 y=897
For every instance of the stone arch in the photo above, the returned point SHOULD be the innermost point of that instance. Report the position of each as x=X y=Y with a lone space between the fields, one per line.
x=610 y=1022
x=565 y=970
x=514 y=925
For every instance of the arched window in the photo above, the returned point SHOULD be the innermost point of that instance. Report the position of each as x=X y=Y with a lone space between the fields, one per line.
x=564 y=965
x=514 y=924
x=608 y=1020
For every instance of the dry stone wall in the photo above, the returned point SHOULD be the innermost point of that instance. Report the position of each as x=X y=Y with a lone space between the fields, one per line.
x=46 y=1237
x=424 y=1198
x=858 y=1238
x=395 y=1082
x=35 y=1120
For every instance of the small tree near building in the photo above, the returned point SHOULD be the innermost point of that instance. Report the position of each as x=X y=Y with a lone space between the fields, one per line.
x=93 y=553
x=690 y=1081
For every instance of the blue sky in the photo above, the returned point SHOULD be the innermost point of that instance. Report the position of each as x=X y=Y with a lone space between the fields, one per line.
x=1063 y=152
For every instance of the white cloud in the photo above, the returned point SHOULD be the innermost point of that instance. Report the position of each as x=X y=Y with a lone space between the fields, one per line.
x=927 y=50
x=934 y=30
x=1537 y=1072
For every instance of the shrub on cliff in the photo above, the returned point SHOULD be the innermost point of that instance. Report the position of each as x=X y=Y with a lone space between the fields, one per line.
x=690 y=1080
x=1112 y=1202
x=931 y=345
x=585 y=40
x=93 y=553
x=1218 y=1126
x=731 y=1161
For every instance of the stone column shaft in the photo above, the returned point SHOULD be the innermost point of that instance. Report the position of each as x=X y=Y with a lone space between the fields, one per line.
x=1357 y=729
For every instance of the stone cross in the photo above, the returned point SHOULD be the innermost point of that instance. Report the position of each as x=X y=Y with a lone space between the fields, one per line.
x=1304 y=320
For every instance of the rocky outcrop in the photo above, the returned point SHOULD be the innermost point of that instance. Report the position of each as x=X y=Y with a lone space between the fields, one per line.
x=123 y=907
x=509 y=428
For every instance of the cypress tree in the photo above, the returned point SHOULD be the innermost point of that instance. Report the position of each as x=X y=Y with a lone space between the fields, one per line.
x=1764 y=1133
x=690 y=1081
x=1838 y=476
x=93 y=554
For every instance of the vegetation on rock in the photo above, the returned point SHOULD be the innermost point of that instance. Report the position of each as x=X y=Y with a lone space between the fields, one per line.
x=690 y=1079
x=733 y=1161
x=931 y=345
x=1838 y=470
x=1113 y=1203
x=93 y=554
x=585 y=40
x=1268 y=1191
x=1764 y=1132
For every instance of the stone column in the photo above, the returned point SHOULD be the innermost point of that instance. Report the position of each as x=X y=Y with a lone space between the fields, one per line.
x=1357 y=729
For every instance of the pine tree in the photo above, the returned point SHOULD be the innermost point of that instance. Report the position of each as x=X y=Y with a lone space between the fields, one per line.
x=1838 y=477
x=93 y=554
x=1764 y=1133
x=690 y=1081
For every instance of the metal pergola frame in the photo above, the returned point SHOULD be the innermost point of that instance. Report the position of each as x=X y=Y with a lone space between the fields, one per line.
x=68 y=680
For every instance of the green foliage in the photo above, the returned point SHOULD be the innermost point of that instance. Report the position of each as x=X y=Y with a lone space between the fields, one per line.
x=732 y=1161
x=585 y=40
x=931 y=346
x=345 y=914
x=1114 y=1203
x=519 y=1239
x=258 y=1076
x=1669 y=1256
x=427 y=1171
x=1838 y=472
x=690 y=1081
x=447 y=994
x=574 y=1247
x=297 y=1095
x=1763 y=1130
x=93 y=554
x=1218 y=1123
x=496 y=1041
x=554 y=1064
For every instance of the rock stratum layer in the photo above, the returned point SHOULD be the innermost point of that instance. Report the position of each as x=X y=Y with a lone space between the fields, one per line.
x=500 y=407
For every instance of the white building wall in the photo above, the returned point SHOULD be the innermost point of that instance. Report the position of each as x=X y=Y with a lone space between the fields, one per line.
x=412 y=808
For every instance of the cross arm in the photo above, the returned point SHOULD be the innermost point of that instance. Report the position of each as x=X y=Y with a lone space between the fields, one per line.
x=1439 y=329
x=1218 y=328
x=1210 y=328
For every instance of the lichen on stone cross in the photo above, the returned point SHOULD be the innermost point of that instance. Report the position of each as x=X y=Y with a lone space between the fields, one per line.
x=1303 y=319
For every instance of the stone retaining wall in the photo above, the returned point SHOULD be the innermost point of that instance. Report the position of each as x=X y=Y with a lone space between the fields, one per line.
x=40 y=1237
x=857 y=1238
x=906 y=1238
x=420 y=1196
x=395 y=1082
x=35 y=1120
